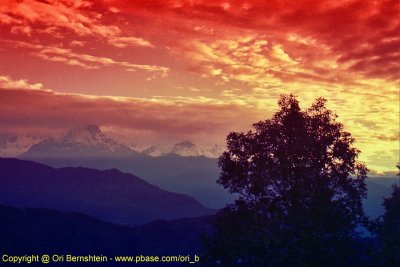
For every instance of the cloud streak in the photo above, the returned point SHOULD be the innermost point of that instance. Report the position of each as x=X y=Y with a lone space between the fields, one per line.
x=7 y=82
x=86 y=61
x=26 y=108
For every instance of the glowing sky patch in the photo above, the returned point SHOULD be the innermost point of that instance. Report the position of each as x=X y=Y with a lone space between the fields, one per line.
x=197 y=69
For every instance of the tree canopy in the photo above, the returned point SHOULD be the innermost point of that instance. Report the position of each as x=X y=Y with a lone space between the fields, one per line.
x=389 y=230
x=301 y=188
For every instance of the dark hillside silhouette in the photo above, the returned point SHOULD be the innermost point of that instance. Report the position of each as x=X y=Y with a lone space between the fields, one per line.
x=109 y=195
x=43 y=231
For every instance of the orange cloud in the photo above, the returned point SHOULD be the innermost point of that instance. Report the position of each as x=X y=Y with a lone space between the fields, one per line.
x=8 y=83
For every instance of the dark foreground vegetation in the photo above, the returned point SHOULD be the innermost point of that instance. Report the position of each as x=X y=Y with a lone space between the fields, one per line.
x=301 y=189
x=42 y=231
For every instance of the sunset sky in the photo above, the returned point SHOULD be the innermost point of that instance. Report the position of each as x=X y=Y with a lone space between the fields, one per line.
x=157 y=72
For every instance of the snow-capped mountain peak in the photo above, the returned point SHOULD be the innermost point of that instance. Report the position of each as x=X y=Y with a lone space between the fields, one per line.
x=185 y=149
x=84 y=141
x=86 y=132
x=12 y=145
x=155 y=151
x=213 y=152
x=90 y=136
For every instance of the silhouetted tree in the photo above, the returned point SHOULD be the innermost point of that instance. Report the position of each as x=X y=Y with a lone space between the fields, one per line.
x=389 y=229
x=389 y=232
x=301 y=189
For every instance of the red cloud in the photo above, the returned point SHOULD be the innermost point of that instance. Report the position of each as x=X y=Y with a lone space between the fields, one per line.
x=363 y=36
x=357 y=33
x=82 y=17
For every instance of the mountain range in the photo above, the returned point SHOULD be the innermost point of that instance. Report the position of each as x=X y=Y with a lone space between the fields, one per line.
x=92 y=140
x=109 y=195
x=87 y=146
x=184 y=149
x=82 y=142
x=167 y=168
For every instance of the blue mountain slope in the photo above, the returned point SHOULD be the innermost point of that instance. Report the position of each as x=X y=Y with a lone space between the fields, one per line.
x=109 y=195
